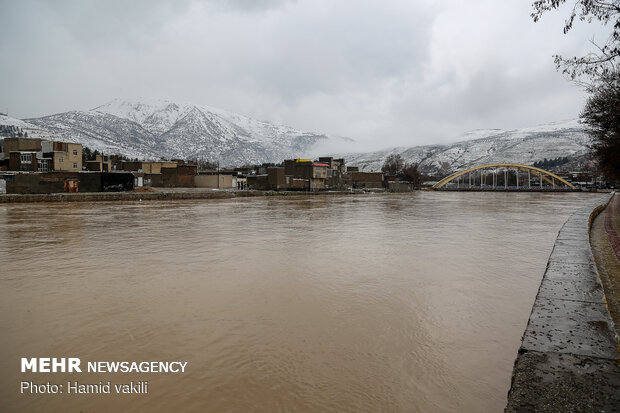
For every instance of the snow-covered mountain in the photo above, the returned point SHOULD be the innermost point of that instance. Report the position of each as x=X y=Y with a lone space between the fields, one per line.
x=153 y=129
x=524 y=146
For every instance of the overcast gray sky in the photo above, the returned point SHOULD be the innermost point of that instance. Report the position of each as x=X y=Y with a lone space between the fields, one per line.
x=386 y=73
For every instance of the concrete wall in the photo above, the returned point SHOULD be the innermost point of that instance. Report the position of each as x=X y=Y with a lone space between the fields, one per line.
x=155 y=167
x=25 y=184
x=186 y=175
x=130 y=165
x=215 y=181
x=299 y=184
x=258 y=182
x=395 y=186
x=153 y=180
x=39 y=183
x=142 y=196
x=289 y=167
x=180 y=176
x=55 y=182
x=304 y=170
x=169 y=177
x=366 y=176
x=206 y=181
x=52 y=182
x=90 y=182
x=365 y=179
x=117 y=181
x=276 y=178
x=316 y=184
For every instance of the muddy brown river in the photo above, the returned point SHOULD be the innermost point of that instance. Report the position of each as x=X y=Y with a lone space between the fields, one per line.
x=396 y=303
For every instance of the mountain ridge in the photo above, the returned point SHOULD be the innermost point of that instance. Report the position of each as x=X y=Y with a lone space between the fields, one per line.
x=154 y=129
x=525 y=146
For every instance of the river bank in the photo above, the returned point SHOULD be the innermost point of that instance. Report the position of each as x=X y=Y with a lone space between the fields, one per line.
x=568 y=356
x=160 y=194
x=176 y=194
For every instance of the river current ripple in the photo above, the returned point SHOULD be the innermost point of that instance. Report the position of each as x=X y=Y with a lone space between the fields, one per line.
x=402 y=303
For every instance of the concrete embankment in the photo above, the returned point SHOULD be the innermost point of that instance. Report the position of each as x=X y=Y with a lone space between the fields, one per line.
x=568 y=359
x=149 y=196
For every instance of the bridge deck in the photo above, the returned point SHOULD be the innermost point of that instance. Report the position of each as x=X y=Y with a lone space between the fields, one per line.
x=509 y=189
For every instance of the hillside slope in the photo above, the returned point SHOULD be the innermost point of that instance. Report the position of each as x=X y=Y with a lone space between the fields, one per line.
x=153 y=129
x=524 y=146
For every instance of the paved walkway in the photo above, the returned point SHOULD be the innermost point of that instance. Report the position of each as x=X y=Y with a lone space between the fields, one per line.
x=568 y=360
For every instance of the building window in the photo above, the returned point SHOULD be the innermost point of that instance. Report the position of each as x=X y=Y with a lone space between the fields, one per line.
x=74 y=152
x=74 y=165
x=44 y=165
x=25 y=158
x=61 y=159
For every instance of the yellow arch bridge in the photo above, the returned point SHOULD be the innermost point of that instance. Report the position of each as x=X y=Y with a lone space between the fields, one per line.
x=504 y=177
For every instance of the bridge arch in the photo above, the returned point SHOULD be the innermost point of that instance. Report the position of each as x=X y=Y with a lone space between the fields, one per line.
x=555 y=181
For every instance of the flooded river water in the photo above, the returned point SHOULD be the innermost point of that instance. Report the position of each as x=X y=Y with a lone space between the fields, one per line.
x=399 y=303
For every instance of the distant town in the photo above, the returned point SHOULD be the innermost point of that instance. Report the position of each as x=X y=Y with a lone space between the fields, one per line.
x=38 y=166
x=41 y=166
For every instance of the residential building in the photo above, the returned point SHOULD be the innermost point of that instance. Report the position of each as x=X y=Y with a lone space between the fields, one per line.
x=101 y=163
x=23 y=161
x=63 y=156
x=365 y=179
x=314 y=172
x=34 y=155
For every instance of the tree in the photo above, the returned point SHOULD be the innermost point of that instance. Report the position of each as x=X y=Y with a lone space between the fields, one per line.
x=393 y=165
x=205 y=165
x=86 y=153
x=602 y=115
x=593 y=65
x=412 y=174
x=602 y=111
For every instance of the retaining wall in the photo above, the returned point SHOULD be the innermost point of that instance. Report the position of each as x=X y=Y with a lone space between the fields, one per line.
x=153 y=196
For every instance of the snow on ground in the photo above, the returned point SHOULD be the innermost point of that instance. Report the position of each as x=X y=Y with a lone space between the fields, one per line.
x=159 y=128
